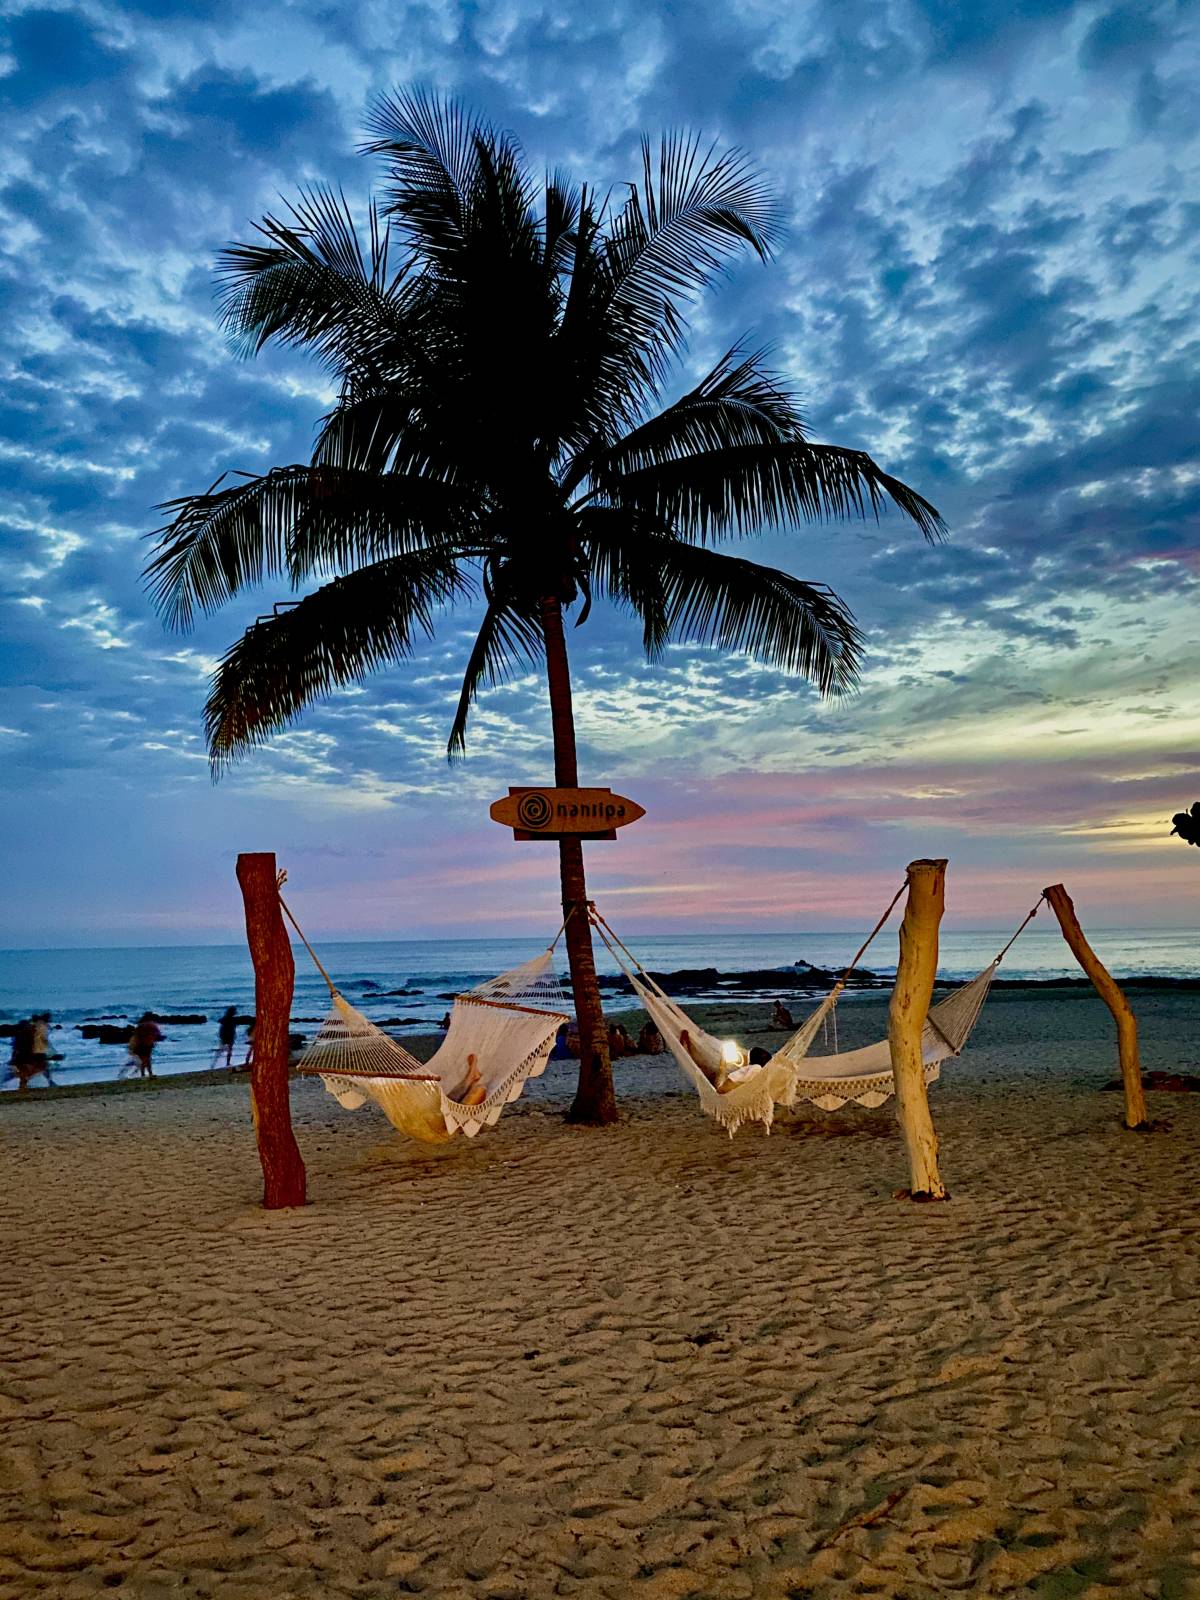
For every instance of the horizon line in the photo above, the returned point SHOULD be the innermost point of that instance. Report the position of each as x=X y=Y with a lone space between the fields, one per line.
x=479 y=938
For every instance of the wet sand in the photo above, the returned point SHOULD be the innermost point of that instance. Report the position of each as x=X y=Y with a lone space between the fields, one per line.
x=648 y=1361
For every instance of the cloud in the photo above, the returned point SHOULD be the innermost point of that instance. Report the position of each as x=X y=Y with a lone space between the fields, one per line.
x=989 y=281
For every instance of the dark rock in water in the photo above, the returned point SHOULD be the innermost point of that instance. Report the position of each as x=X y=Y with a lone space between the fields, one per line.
x=183 y=1019
x=812 y=977
x=703 y=980
x=689 y=978
x=396 y=994
x=295 y=1042
x=1149 y=981
x=406 y=1022
x=692 y=980
x=106 y=1032
x=367 y=983
x=244 y=1022
x=1163 y=1082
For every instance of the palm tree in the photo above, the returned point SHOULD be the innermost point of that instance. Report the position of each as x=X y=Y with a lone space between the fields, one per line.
x=503 y=354
x=1187 y=824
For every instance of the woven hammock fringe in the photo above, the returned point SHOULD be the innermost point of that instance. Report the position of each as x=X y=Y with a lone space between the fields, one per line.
x=504 y=1030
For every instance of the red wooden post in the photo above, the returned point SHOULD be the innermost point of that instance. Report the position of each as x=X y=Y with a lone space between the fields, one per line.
x=274 y=976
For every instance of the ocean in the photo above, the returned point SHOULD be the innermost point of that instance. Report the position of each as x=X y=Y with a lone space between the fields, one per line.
x=407 y=984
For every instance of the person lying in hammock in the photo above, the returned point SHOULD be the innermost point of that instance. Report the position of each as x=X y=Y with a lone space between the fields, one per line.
x=472 y=1091
x=726 y=1075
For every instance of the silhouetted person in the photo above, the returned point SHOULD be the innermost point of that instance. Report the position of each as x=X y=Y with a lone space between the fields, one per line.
x=20 y=1064
x=472 y=1091
x=39 y=1053
x=619 y=1042
x=650 y=1041
x=781 y=1017
x=226 y=1037
x=145 y=1036
x=718 y=1076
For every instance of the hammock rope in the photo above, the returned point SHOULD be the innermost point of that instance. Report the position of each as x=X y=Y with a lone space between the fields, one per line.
x=1029 y=918
x=286 y=909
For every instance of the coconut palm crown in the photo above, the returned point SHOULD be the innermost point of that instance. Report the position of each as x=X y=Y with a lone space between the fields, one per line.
x=505 y=354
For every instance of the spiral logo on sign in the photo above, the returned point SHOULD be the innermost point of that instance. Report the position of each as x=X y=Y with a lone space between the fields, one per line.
x=533 y=810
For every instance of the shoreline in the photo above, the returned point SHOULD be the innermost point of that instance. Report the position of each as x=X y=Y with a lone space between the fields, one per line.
x=1169 y=1021
x=93 y=1008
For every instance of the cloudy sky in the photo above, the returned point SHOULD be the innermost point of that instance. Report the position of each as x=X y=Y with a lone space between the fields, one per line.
x=990 y=280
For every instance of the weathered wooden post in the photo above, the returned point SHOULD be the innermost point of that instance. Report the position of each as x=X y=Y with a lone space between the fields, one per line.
x=915 y=973
x=274 y=976
x=1059 y=901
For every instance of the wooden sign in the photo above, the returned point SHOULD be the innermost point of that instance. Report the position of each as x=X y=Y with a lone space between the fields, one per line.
x=573 y=813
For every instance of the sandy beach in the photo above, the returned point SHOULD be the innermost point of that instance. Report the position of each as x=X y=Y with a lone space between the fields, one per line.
x=648 y=1361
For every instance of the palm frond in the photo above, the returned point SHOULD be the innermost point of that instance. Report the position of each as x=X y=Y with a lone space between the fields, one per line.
x=737 y=403
x=561 y=209
x=603 y=376
x=435 y=151
x=333 y=637
x=694 y=210
x=620 y=547
x=706 y=597
x=741 y=488
x=309 y=281
x=430 y=143
x=505 y=642
x=302 y=521
x=222 y=541
x=346 y=519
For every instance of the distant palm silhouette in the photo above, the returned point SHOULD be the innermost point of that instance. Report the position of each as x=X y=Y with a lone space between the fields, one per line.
x=503 y=423
x=1187 y=824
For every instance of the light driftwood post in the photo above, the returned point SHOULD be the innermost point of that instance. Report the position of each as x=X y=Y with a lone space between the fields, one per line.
x=906 y=1023
x=274 y=976
x=1127 y=1045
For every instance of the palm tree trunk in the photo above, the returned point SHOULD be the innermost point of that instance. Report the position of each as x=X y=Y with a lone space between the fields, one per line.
x=595 y=1101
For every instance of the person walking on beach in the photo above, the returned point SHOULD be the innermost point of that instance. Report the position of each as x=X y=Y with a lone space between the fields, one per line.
x=145 y=1036
x=20 y=1064
x=227 y=1028
x=39 y=1054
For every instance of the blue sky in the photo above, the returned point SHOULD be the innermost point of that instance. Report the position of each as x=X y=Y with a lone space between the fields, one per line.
x=990 y=280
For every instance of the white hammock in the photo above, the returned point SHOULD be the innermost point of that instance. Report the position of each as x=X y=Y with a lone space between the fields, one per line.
x=507 y=1024
x=864 y=1076
x=750 y=1093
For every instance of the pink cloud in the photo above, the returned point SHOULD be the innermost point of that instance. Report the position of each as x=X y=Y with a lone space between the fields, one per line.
x=826 y=849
